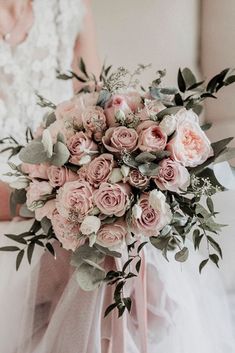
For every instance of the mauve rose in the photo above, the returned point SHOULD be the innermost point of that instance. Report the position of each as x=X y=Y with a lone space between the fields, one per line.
x=112 y=235
x=35 y=170
x=36 y=190
x=150 y=221
x=120 y=139
x=74 y=200
x=59 y=175
x=46 y=210
x=189 y=145
x=112 y=199
x=99 y=170
x=69 y=111
x=151 y=137
x=138 y=180
x=66 y=232
x=94 y=122
x=81 y=145
x=151 y=108
x=172 y=176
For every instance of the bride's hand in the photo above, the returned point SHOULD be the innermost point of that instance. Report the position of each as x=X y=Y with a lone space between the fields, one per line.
x=4 y=202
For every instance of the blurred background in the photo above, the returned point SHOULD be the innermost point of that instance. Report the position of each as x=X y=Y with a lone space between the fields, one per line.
x=199 y=34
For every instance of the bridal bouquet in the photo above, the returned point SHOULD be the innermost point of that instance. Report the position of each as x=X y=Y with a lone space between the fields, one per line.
x=116 y=167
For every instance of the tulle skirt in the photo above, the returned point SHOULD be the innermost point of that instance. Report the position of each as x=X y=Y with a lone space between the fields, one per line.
x=175 y=310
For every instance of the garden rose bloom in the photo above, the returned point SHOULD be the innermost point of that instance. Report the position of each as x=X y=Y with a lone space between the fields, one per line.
x=59 y=175
x=35 y=170
x=85 y=100
x=94 y=122
x=74 y=200
x=151 y=137
x=112 y=199
x=99 y=170
x=81 y=145
x=189 y=145
x=138 y=180
x=46 y=210
x=91 y=224
x=36 y=190
x=68 y=111
x=151 y=220
x=172 y=176
x=112 y=235
x=120 y=139
x=66 y=232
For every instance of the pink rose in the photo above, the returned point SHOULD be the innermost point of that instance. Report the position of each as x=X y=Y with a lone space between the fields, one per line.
x=46 y=210
x=112 y=235
x=74 y=200
x=138 y=180
x=84 y=100
x=120 y=139
x=112 y=199
x=149 y=221
x=61 y=127
x=94 y=122
x=116 y=103
x=66 y=232
x=172 y=176
x=60 y=175
x=151 y=108
x=35 y=170
x=189 y=145
x=80 y=145
x=151 y=137
x=68 y=111
x=82 y=173
x=36 y=191
x=99 y=170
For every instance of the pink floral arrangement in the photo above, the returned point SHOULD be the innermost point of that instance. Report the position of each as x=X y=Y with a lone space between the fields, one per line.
x=117 y=167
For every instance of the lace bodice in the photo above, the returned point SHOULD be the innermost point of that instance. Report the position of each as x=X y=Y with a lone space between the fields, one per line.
x=31 y=66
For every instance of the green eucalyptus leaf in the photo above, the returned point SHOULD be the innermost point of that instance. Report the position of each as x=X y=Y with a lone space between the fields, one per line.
x=181 y=81
x=169 y=111
x=85 y=252
x=19 y=259
x=89 y=277
x=182 y=255
x=33 y=153
x=145 y=157
x=189 y=77
x=202 y=265
x=61 y=154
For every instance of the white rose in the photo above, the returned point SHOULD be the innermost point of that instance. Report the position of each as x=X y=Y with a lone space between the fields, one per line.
x=91 y=224
x=84 y=160
x=157 y=201
x=125 y=170
x=137 y=211
x=168 y=124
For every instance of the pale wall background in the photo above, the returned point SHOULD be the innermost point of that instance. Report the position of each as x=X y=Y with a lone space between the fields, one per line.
x=168 y=33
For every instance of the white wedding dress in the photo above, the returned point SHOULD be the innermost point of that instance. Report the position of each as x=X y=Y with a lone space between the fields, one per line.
x=42 y=309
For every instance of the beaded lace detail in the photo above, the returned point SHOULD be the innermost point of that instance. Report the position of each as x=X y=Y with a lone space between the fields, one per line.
x=31 y=66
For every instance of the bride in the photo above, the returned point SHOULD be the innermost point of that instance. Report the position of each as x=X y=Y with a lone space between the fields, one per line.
x=42 y=308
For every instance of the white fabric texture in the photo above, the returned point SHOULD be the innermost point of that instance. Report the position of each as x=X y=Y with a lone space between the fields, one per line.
x=42 y=308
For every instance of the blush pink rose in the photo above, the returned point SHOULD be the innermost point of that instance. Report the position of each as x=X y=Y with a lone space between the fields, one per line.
x=189 y=145
x=172 y=176
x=70 y=112
x=99 y=170
x=35 y=170
x=74 y=200
x=67 y=232
x=112 y=199
x=80 y=145
x=120 y=139
x=94 y=122
x=149 y=220
x=112 y=235
x=36 y=191
x=84 y=100
x=46 y=210
x=59 y=175
x=138 y=180
x=151 y=137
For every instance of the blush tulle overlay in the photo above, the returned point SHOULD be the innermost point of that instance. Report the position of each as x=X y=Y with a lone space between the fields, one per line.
x=175 y=309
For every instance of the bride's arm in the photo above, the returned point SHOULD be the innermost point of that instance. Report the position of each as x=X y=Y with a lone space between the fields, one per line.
x=85 y=46
x=4 y=202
